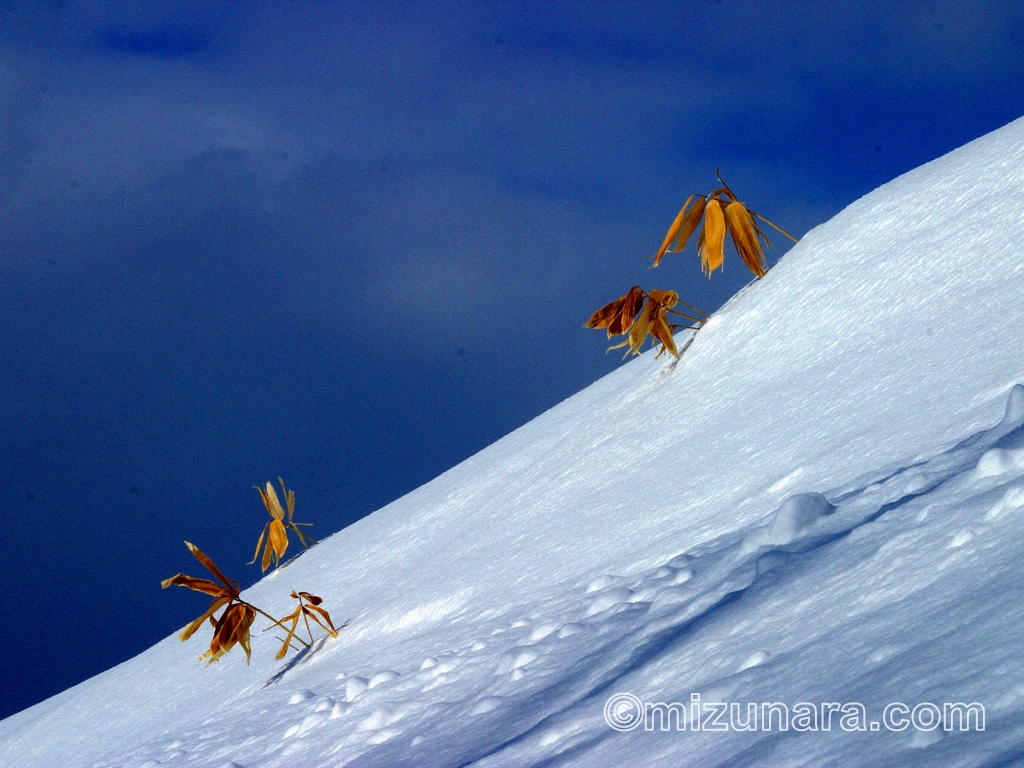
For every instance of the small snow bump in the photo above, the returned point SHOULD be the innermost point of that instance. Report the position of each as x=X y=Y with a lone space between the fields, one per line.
x=485 y=705
x=428 y=662
x=1014 y=405
x=542 y=630
x=310 y=722
x=416 y=740
x=916 y=483
x=602 y=582
x=520 y=623
x=339 y=710
x=292 y=730
x=355 y=686
x=683 y=575
x=516 y=658
x=382 y=677
x=755 y=659
x=326 y=703
x=961 y=538
x=549 y=738
x=608 y=600
x=1012 y=499
x=381 y=736
x=517 y=674
x=300 y=696
x=997 y=461
x=440 y=669
x=479 y=645
x=382 y=718
x=569 y=629
x=883 y=653
x=798 y=514
x=680 y=561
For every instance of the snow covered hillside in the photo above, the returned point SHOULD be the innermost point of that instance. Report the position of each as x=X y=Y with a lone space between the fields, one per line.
x=820 y=507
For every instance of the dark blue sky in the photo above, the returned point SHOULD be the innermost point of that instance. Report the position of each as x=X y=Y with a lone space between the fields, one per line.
x=353 y=243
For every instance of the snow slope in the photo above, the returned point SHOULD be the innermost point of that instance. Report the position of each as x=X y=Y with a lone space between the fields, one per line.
x=823 y=501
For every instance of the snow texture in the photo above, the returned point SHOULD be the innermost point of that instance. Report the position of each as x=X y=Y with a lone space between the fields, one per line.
x=823 y=501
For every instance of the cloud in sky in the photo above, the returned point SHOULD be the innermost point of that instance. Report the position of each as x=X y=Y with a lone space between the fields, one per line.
x=352 y=243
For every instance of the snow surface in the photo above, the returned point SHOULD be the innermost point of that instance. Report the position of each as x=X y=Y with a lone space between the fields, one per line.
x=823 y=501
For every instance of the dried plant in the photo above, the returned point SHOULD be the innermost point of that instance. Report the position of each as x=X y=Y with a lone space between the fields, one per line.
x=233 y=625
x=307 y=610
x=624 y=315
x=722 y=212
x=276 y=531
x=232 y=628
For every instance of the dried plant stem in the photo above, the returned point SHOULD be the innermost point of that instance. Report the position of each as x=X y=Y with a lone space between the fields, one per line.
x=289 y=644
x=705 y=315
x=688 y=317
x=282 y=626
x=305 y=618
x=762 y=218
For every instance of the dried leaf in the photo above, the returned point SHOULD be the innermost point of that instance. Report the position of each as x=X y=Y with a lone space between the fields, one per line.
x=712 y=245
x=259 y=545
x=231 y=629
x=641 y=328
x=744 y=236
x=289 y=498
x=661 y=331
x=666 y=299
x=624 y=320
x=682 y=228
x=309 y=611
x=673 y=231
x=271 y=502
x=199 y=585
x=690 y=224
x=190 y=630
x=242 y=633
x=617 y=316
x=294 y=617
x=278 y=539
x=212 y=567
